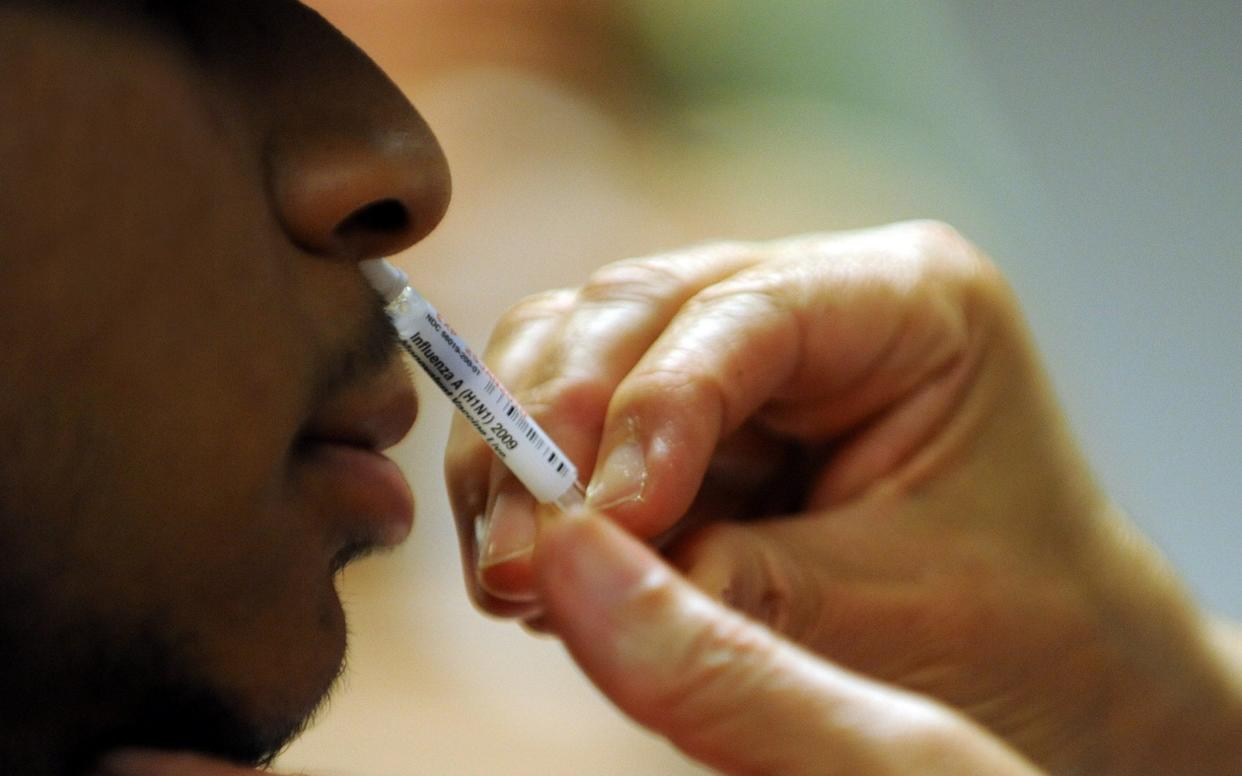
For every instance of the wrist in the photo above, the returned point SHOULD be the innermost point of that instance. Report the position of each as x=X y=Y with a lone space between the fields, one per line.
x=1194 y=727
x=1175 y=699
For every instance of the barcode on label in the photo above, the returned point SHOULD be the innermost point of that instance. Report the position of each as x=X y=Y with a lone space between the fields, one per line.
x=523 y=425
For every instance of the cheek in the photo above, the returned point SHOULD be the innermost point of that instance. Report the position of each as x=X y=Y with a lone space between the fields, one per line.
x=155 y=375
x=161 y=387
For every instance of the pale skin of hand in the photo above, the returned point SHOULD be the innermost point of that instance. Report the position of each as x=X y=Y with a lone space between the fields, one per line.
x=724 y=689
x=849 y=437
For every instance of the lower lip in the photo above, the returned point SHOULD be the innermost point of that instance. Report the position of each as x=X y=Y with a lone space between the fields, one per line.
x=364 y=490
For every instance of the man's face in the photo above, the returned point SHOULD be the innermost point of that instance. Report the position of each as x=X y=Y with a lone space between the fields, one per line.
x=195 y=377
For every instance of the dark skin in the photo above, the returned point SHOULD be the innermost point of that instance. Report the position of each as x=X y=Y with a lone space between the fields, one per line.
x=190 y=353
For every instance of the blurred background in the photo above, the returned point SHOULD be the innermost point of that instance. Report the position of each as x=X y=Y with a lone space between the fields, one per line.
x=1093 y=148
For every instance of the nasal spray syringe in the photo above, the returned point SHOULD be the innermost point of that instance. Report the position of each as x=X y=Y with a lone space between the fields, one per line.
x=514 y=436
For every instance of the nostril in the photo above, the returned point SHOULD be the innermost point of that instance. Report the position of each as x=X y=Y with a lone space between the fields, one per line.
x=384 y=217
x=343 y=198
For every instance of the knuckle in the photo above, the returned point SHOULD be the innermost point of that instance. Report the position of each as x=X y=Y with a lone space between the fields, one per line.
x=633 y=280
x=575 y=398
x=536 y=307
x=701 y=393
x=935 y=247
x=713 y=671
x=946 y=259
x=661 y=277
x=747 y=297
x=935 y=239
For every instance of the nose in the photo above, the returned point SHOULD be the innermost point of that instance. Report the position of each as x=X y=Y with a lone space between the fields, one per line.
x=352 y=169
x=361 y=194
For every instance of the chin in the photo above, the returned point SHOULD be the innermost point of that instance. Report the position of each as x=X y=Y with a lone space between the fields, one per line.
x=209 y=726
x=163 y=697
x=183 y=717
x=299 y=682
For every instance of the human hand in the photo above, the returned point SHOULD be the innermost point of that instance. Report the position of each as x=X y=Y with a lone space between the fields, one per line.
x=727 y=691
x=928 y=520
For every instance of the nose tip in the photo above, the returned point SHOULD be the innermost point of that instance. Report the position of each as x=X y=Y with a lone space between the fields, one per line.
x=362 y=202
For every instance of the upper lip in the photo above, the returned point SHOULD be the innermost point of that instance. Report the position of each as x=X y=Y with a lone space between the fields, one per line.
x=374 y=415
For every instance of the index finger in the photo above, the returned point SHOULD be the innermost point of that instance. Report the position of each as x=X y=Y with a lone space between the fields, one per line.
x=864 y=339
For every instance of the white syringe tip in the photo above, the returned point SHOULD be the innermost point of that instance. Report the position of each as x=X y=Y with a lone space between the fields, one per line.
x=387 y=280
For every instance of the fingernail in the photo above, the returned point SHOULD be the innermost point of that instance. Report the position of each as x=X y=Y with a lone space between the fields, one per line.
x=481 y=524
x=507 y=532
x=623 y=476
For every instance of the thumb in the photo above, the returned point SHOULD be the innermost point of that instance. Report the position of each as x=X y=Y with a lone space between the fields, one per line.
x=727 y=691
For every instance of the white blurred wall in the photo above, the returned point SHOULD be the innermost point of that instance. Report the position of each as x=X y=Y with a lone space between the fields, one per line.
x=1125 y=244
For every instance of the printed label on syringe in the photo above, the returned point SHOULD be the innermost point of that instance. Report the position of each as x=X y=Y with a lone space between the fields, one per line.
x=495 y=415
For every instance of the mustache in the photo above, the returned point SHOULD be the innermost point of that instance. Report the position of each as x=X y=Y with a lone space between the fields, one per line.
x=369 y=353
